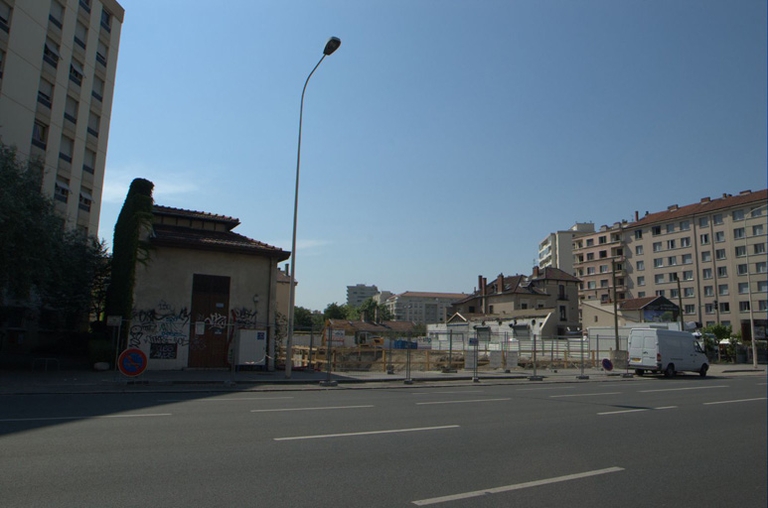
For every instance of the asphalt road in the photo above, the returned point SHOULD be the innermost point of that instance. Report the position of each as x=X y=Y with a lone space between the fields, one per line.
x=681 y=442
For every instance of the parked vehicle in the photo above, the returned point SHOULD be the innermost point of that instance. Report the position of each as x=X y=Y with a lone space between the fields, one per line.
x=667 y=351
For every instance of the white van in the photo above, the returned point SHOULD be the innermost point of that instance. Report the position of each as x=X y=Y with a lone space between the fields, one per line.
x=666 y=351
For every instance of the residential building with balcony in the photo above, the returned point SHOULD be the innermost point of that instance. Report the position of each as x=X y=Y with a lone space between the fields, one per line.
x=556 y=250
x=58 y=60
x=421 y=307
x=359 y=293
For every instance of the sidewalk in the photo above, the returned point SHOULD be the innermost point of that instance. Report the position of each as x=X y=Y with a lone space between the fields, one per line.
x=82 y=382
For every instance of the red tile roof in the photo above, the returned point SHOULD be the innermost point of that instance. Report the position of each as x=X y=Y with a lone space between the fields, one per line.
x=222 y=241
x=168 y=211
x=706 y=205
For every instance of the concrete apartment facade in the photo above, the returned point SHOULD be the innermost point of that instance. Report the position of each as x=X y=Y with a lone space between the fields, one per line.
x=57 y=75
x=556 y=250
x=421 y=307
x=709 y=258
x=359 y=293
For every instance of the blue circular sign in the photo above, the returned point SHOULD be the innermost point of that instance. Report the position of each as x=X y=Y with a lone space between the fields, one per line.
x=607 y=364
x=132 y=362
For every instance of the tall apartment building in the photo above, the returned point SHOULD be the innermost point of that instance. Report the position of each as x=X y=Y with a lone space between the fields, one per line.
x=359 y=293
x=57 y=75
x=421 y=307
x=710 y=256
x=556 y=250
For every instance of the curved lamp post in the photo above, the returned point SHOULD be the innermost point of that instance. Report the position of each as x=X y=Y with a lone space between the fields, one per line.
x=330 y=46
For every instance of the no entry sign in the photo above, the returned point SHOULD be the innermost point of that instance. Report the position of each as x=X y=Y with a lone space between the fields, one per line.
x=132 y=362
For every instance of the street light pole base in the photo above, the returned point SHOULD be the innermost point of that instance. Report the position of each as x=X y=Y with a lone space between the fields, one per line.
x=536 y=378
x=329 y=383
x=582 y=377
x=475 y=379
x=408 y=381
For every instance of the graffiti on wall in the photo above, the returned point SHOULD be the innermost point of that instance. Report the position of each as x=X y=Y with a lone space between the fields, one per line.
x=244 y=318
x=161 y=325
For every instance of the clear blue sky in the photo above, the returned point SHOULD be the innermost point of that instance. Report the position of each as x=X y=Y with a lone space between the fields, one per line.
x=444 y=139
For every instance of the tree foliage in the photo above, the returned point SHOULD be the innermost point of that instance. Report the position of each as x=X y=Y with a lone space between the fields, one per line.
x=42 y=264
x=336 y=311
x=128 y=249
x=306 y=319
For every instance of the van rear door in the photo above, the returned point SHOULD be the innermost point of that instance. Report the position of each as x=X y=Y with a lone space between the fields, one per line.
x=650 y=348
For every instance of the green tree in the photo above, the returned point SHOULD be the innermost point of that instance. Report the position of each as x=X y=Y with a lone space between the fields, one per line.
x=374 y=312
x=336 y=311
x=128 y=249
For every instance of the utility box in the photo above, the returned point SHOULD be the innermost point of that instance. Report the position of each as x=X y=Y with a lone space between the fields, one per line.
x=251 y=348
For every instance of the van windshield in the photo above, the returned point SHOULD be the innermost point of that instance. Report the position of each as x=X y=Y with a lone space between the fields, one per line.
x=697 y=346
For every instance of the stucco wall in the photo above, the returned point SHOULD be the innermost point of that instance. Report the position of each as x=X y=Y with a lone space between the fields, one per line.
x=163 y=298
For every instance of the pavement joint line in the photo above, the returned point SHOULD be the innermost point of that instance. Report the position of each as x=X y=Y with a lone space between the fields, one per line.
x=366 y=433
x=460 y=401
x=518 y=486
x=583 y=395
x=681 y=389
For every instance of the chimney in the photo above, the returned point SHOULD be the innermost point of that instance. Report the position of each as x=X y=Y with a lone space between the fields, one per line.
x=744 y=192
x=480 y=286
x=500 y=283
x=535 y=272
x=672 y=208
x=637 y=216
x=286 y=270
x=706 y=199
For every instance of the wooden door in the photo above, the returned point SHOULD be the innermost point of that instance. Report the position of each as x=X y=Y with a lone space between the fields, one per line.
x=210 y=306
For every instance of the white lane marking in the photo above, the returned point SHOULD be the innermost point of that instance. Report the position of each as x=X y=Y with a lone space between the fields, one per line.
x=548 y=388
x=583 y=395
x=681 y=389
x=518 y=486
x=636 y=410
x=231 y=399
x=59 y=418
x=761 y=384
x=734 y=401
x=437 y=392
x=369 y=433
x=459 y=401
x=320 y=408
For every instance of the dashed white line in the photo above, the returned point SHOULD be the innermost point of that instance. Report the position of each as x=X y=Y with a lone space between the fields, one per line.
x=583 y=395
x=682 y=389
x=623 y=411
x=368 y=433
x=441 y=392
x=547 y=388
x=459 y=401
x=518 y=486
x=320 y=408
x=734 y=401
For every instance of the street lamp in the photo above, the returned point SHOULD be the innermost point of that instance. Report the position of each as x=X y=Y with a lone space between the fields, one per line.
x=330 y=46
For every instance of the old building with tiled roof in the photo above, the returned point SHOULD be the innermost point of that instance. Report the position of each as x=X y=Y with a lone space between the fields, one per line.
x=709 y=258
x=207 y=296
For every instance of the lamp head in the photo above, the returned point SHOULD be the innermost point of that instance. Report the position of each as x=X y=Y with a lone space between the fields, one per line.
x=331 y=46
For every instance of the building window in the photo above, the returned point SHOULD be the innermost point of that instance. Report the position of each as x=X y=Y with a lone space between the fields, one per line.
x=756 y=212
x=685 y=225
x=641 y=281
x=65 y=151
x=738 y=215
x=45 y=93
x=656 y=230
x=101 y=54
x=741 y=251
x=51 y=53
x=57 y=13
x=85 y=199
x=81 y=35
x=106 y=20
x=706 y=256
x=759 y=248
x=603 y=254
x=761 y=267
x=717 y=219
x=76 y=72
x=709 y=308
x=674 y=293
x=722 y=290
x=725 y=308
x=640 y=266
x=688 y=292
x=641 y=294
x=738 y=233
x=638 y=234
x=670 y=244
x=98 y=88
x=86 y=5
x=672 y=260
x=562 y=313
x=687 y=259
x=639 y=250
x=762 y=286
x=670 y=228
x=658 y=278
x=703 y=222
x=704 y=239
x=690 y=309
x=741 y=269
x=659 y=292
x=720 y=254
x=709 y=291
x=706 y=273
x=40 y=135
x=722 y=271
x=656 y=246
x=590 y=242
x=685 y=242
x=89 y=161
x=61 y=191
x=604 y=283
x=591 y=284
x=70 y=109
x=688 y=275
x=762 y=305
x=658 y=263
x=757 y=230
x=603 y=268
x=719 y=236
x=603 y=239
x=590 y=256
x=5 y=17
x=93 y=124
x=744 y=306
x=590 y=270
x=743 y=288
x=673 y=277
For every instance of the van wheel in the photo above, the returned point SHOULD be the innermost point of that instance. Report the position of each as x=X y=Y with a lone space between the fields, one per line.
x=639 y=372
x=703 y=370
x=670 y=370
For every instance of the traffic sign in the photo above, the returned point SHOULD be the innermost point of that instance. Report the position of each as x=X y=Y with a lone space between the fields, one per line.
x=132 y=362
x=607 y=364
